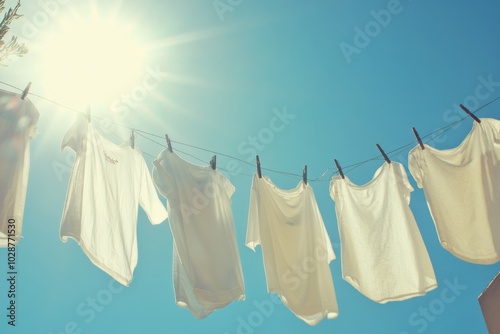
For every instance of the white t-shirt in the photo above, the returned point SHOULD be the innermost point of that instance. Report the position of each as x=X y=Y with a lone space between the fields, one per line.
x=296 y=249
x=18 y=119
x=462 y=188
x=107 y=183
x=207 y=271
x=383 y=254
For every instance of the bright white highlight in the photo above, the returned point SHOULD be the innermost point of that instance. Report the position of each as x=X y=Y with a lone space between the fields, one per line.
x=93 y=60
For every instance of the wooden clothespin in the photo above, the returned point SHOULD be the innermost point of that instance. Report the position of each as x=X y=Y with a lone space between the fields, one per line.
x=26 y=91
x=169 y=144
x=132 y=139
x=383 y=154
x=213 y=162
x=259 y=172
x=304 y=175
x=469 y=113
x=339 y=169
x=418 y=139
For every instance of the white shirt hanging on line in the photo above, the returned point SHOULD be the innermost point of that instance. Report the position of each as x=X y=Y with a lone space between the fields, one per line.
x=462 y=188
x=383 y=254
x=296 y=249
x=18 y=120
x=207 y=270
x=106 y=185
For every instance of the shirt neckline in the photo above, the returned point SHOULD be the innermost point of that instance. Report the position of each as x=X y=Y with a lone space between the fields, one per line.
x=460 y=147
x=374 y=180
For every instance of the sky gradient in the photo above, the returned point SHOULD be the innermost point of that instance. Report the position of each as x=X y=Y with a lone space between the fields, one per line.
x=297 y=83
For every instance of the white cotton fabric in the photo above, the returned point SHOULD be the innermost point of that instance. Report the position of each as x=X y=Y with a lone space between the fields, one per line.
x=462 y=188
x=383 y=254
x=296 y=249
x=106 y=185
x=207 y=270
x=18 y=120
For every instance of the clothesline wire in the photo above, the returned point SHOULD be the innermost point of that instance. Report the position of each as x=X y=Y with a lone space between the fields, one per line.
x=345 y=169
x=42 y=97
x=403 y=148
x=177 y=150
x=143 y=133
x=185 y=153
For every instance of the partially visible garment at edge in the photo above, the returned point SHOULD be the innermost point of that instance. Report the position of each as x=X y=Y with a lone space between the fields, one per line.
x=18 y=120
x=462 y=188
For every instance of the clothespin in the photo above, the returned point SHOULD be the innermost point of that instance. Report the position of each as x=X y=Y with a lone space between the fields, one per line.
x=339 y=169
x=132 y=139
x=87 y=114
x=26 y=91
x=168 y=143
x=418 y=139
x=469 y=113
x=304 y=175
x=259 y=172
x=213 y=162
x=383 y=154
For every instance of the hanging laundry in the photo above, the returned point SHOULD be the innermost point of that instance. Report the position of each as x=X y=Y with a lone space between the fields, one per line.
x=383 y=254
x=296 y=249
x=207 y=270
x=106 y=185
x=462 y=188
x=18 y=120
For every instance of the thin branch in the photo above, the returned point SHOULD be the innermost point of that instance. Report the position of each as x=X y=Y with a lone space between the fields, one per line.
x=12 y=47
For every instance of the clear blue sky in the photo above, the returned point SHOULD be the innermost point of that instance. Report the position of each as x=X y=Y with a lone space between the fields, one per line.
x=229 y=73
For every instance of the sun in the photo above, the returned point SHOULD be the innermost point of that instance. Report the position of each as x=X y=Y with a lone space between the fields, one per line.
x=92 y=60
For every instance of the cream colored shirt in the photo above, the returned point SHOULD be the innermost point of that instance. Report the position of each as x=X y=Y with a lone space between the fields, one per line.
x=383 y=254
x=207 y=270
x=296 y=249
x=106 y=186
x=462 y=188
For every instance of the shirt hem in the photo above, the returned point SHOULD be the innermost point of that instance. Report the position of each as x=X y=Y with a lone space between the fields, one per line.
x=215 y=306
x=98 y=263
x=486 y=260
x=396 y=297
x=313 y=319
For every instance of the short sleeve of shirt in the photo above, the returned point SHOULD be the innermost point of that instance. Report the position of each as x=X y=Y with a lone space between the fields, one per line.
x=253 y=231
x=75 y=137
x=496 y=140
x=328 y=243
x=333 y=191
x=403 y=178
x=414 y=165
x=162 y=179
x=228 y=186
x=148 y=198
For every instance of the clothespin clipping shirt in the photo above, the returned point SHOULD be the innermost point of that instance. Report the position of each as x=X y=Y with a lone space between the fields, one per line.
x=259 y=172
x=213 y=162
x=418 y=139
x=169 y=144
x=26 y=91
x=386 y=158
x=339 y=169
x=469 y=113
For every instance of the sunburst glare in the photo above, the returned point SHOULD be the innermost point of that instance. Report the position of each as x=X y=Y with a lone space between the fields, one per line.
x=92 y=60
